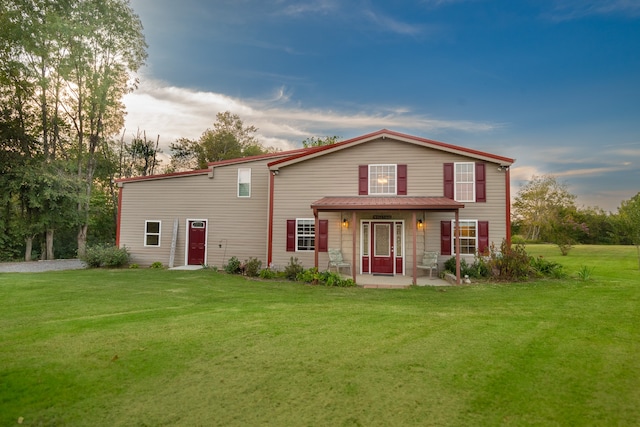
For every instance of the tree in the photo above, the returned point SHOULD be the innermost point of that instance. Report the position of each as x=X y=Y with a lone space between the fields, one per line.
x=319 y=142
x=229 y=139
x=538 y=206
x=629 y=217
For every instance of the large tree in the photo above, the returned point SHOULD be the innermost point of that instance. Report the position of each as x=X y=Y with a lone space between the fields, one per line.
x=629 y=217
x=229 y=139
x=65 y=66
x=540 y=204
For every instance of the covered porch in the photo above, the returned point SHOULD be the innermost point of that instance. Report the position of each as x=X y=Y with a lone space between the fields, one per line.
x=368 y=213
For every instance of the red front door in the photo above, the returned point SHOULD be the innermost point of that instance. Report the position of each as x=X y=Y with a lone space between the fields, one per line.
x=197 y=240
x=382 y=247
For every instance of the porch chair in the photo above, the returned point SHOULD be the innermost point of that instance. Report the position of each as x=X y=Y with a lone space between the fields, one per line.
x=429 y=262
x=336 y=260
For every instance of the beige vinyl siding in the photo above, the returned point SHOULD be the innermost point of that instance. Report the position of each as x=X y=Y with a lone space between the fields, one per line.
x=236 y=225
x=336 y=174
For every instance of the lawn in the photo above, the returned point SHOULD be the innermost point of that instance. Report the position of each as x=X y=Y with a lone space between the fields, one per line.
x=152 y=348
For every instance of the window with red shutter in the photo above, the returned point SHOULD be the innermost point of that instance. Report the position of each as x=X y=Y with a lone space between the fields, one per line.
x=402 y=180
x=363 y=180
x=481 y=183
x=445 y=237
x=448 y=180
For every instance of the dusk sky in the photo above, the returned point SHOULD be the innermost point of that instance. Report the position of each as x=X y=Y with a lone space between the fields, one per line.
x=554 y=84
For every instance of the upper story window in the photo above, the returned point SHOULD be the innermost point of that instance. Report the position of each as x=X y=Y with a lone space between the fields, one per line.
x=152 y=233
x=244 y=182
x=465 y=182
x=382 y=179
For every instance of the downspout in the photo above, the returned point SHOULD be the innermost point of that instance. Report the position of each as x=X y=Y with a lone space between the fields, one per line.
x=119 y=214
x=457 y=237
x=317 y=242
x=415 y=248
x=270 y=220
x=507 y=177
x=353 y=243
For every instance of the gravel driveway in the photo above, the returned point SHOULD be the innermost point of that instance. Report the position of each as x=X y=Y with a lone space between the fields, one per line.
x=40 y=266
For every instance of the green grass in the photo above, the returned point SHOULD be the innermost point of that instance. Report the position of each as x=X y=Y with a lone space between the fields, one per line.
x=153 y=348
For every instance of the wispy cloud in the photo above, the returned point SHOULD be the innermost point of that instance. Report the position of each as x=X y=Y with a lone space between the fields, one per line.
x=566 y=10
x=298 y=8
x=174 y=113
x=387 y=23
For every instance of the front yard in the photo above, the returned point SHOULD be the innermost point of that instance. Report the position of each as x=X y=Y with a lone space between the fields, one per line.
x=150 y=347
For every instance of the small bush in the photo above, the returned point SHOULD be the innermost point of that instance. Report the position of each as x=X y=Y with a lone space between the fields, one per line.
x=294 y=268
x=547 y=268
x=267 y=273
x=252 y=267
x=233 y=266
x=106 y=256
x=157 y=265
x=134 y=266
x=326 y=278
x=584 y=273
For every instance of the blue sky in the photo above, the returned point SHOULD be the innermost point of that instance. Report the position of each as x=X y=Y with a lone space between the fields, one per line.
x=554 y=84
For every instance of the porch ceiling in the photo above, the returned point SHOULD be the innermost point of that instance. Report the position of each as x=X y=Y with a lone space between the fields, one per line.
x=363 y=203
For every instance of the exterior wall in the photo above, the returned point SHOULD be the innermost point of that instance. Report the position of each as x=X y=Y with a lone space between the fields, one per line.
x=236 y=226
x=336 y=174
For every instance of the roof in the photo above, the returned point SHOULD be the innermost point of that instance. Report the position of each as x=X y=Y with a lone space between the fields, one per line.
x=385 y=133
x=385 y=203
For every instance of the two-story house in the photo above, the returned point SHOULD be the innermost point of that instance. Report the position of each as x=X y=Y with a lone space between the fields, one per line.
x=383 y=199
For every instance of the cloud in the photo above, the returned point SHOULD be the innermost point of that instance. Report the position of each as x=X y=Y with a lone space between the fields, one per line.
x=390 y=24
x=566 y=10
x=174 y=112
x=310 y=7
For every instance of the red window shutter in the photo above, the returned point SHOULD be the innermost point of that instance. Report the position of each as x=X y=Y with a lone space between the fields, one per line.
x=448 y=180
x=323 y=235
x=445 y=237
x=481 y=183
x=291 y=235
x=402 y=179
x=363 y=180
x=483 y=236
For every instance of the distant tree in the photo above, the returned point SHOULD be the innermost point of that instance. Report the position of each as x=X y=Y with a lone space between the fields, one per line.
x=229 y=139
x=140 y=157
x=540 y=204
x=318 y=142
x=629 y=220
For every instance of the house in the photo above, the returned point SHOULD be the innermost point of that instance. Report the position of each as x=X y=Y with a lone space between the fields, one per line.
x=383 y=199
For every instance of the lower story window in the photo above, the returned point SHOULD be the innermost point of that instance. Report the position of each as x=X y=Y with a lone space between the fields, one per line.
x=468 y=237
x=152 y=233
x=305 y=234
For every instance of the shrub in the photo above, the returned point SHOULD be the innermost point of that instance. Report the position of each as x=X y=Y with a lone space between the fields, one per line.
x=157 y=265
x=252 y=267
x=233 y=266
x=544 y=267
x=267 y=273
x=106 y=256
x=292 y=270
x=511 y=263
x=134 y=266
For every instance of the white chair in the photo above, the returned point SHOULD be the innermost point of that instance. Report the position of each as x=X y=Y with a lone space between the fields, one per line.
x=429 y=262
x=336 y=260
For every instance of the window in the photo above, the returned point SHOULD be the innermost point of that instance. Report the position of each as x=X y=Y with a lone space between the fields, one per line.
x=465 y=182
x=382 y=179
x=152 y=233
x=305 y=234
x=244 y=182
x=468 y=237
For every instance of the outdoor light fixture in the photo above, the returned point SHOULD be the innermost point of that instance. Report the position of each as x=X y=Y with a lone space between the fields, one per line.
x=345 y=223
x=420 y=224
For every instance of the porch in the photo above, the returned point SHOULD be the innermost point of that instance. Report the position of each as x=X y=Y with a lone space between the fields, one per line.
x=398 y=281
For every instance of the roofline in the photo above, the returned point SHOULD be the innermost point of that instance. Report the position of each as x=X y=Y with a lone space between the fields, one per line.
x=212 y=165
x=316 y=151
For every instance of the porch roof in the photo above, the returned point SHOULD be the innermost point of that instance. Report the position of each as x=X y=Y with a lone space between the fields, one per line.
x=362 y=203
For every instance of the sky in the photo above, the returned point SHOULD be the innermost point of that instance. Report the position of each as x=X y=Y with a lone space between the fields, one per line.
x=554 y=84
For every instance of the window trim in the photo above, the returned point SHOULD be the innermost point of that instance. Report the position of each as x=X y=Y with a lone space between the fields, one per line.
x=240 y=170
x=472 y=182
x=453 y=236
x=395 y=179
x=147 y=233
